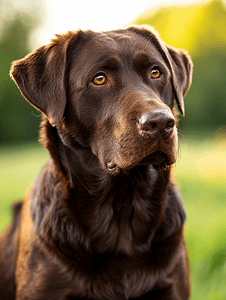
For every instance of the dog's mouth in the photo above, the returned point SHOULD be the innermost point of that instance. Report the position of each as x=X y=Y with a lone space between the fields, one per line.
x=157 y=158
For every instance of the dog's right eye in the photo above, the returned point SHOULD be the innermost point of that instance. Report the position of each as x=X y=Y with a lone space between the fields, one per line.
x=100 y=79
x=155 y=73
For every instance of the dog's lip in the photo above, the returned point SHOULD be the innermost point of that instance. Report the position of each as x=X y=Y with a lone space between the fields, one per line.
x=156 y=158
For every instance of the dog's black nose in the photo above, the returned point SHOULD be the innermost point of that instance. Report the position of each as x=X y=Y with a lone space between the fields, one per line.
x=159 y=121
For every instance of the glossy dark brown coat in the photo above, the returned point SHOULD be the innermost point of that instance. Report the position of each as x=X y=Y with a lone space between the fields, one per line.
x=102 y=220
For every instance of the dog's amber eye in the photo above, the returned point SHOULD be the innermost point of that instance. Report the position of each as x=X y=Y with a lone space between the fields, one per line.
x=100 y=79
x=155 y=73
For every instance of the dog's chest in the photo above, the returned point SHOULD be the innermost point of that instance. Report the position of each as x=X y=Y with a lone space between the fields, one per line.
x=119 y=278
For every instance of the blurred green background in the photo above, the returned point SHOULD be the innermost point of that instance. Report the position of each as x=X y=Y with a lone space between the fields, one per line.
x=201 y=167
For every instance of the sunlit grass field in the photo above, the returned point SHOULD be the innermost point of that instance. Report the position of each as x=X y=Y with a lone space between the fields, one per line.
x=201 y=175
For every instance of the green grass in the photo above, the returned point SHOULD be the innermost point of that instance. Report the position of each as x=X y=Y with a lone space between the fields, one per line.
x=201 y=175
x=19 y=166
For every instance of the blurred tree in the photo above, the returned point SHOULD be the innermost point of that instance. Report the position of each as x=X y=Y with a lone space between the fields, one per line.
x=17 y=121
x=201 y=29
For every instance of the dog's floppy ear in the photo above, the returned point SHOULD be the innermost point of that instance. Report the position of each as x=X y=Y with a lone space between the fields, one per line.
x=181 y=68
x=40 y=77
x=178 y=61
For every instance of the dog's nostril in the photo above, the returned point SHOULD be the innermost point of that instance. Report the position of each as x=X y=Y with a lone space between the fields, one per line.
x=153 y=125
x=148 y=126
x=170 y=124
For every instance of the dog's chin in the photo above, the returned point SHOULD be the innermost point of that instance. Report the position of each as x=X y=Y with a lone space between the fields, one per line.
x=158 y=159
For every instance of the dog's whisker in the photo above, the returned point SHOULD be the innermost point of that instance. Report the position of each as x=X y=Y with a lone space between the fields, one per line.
x=184 y=139
x=180 y=131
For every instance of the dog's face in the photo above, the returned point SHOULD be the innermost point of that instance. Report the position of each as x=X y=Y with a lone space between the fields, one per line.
x=112 y=92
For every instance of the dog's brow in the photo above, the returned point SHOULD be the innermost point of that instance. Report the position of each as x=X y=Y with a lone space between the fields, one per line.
x=145 y=60
x=142 y=58
x=112 y=63
x=108 y=62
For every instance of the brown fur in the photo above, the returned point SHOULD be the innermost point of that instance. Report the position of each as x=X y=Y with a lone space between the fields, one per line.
x=102 y=220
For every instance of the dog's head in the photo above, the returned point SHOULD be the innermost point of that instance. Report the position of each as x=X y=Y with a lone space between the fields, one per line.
x=112 y=92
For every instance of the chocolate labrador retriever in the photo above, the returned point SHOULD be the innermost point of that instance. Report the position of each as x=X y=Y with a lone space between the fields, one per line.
x=103 y=219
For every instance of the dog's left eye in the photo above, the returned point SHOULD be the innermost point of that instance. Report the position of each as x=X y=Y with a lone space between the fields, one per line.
x=155 y=73
x=100 y=79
